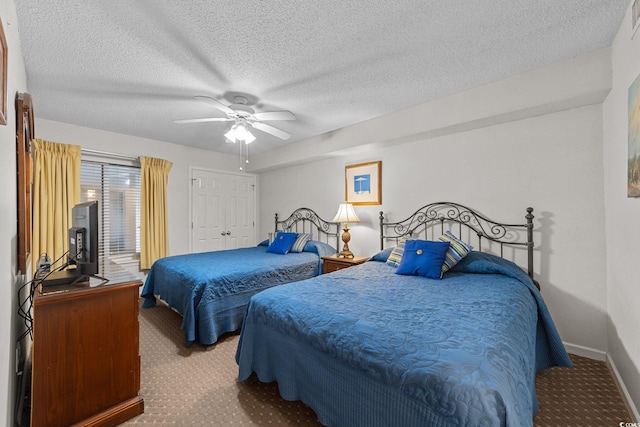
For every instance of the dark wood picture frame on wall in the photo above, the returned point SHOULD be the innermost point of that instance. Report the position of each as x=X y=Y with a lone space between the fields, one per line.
x=3 y=70
x=24 y=135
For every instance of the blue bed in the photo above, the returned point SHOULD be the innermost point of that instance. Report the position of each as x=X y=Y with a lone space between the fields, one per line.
x=211 y=290
x=367 y=347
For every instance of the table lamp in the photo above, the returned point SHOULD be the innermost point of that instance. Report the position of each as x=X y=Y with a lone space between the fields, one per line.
x=346 y=214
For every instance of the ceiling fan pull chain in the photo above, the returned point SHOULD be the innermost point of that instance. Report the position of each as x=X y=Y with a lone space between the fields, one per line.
x=244 y=155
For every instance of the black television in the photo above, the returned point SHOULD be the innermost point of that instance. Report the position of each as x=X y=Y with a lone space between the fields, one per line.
x=83 y=247
x=83 y=238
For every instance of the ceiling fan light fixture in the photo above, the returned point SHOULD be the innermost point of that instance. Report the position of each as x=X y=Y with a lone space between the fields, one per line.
x=232 y=135
x=249 y=138
x=239 y=132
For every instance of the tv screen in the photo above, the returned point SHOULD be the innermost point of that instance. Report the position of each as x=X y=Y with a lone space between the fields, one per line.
x=83 y=238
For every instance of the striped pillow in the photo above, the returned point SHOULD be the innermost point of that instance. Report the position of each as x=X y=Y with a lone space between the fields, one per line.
x=457 y=250
x=396 y=254
x=300 y=242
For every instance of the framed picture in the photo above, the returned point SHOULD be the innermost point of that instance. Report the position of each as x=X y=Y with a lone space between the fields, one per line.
x=24 y=136
x=635 y=17
x=364 y=183
x=3 y=83
x=633 y=159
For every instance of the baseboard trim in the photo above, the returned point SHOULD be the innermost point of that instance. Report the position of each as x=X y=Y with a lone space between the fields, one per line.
x=591 y=353
x=116 y=415
x=602 y=356
x=623 y=390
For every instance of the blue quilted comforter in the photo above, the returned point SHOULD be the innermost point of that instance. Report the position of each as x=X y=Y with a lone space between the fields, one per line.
x=367 y=347
x=211 y=290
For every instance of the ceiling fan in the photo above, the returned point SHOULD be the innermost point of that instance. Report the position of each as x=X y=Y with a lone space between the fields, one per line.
x=243 y=116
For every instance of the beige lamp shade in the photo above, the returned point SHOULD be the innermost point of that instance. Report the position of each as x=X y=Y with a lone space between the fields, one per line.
x=346 y=214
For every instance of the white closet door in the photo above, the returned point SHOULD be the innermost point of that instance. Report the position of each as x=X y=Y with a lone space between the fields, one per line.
x=239 y=212
x=207 y=211
x=222 y=210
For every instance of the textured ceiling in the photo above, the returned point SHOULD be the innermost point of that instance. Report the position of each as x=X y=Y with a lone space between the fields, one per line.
x=133 y=67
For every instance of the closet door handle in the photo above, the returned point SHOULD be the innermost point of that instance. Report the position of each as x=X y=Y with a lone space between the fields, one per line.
x=228 y=233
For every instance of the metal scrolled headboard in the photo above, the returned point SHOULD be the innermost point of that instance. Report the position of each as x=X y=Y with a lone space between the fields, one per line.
x=305 y=220
x=433 y=217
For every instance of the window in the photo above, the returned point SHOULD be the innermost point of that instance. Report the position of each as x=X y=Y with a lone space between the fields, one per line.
x=117 y=190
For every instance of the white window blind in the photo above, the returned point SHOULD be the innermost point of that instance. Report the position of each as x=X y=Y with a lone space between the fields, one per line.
x=117 y=190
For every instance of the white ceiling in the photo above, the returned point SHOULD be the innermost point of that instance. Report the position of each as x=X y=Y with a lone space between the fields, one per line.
x=133 y=67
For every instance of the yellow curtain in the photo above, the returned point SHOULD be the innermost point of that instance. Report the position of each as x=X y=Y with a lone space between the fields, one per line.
x=154 y=229
x=56 y=189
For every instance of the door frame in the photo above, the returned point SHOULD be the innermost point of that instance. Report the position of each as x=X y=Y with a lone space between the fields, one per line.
x=222 y=172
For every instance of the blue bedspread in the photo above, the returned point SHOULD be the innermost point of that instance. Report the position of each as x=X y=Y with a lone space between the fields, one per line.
x=367 y=347
x=211 y=290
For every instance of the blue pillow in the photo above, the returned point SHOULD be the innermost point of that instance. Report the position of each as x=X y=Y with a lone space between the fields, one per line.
x=381 y=256
x=282 y=243
x=423 y=258
x=320 y=248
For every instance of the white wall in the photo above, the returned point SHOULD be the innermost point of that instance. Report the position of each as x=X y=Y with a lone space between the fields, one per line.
x=10 y=281
x=179 y=187
x=498 y=148
x=622 y=217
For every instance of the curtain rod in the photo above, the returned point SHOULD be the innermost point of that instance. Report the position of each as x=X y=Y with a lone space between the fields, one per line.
x=111 y=155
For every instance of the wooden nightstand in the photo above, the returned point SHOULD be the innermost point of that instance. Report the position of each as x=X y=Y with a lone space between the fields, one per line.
x=332 y=262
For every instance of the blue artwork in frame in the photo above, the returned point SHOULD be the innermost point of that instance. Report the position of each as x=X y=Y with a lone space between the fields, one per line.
x=364 y=183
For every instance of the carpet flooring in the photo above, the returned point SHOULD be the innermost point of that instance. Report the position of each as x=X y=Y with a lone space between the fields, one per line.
x=190 y=386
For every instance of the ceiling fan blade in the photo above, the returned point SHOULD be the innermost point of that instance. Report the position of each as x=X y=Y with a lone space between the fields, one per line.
x=206 y=119
x=271 y=130
x=275 y=115
x=220 y=106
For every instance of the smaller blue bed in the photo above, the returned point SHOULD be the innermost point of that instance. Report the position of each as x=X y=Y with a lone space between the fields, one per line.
x=211 y=290
x=366 y=346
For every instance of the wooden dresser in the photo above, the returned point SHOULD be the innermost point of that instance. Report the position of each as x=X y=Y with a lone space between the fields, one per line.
x=86 y=358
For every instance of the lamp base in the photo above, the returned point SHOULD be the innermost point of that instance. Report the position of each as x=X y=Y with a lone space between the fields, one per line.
x=345 y=254
x=346 y=237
